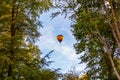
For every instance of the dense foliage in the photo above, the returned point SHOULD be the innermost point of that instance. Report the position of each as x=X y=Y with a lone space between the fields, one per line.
x=19 y=56
x=96 y=28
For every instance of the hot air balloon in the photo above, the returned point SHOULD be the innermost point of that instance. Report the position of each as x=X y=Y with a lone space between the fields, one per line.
x=60 y=38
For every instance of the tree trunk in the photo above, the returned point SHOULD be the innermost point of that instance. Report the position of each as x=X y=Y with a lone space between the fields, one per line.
x=12 y=29
x=113 y=66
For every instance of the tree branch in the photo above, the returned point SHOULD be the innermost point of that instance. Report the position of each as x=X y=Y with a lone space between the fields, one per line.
x=109 y=54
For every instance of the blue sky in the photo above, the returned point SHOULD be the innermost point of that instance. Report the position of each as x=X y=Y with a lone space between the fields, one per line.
x=64 y=53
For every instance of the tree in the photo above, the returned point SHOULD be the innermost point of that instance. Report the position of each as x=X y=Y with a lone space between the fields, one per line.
x=96 y=29
x=19 y=29
x=71 y=75
x=48 y=74
x=84 y=77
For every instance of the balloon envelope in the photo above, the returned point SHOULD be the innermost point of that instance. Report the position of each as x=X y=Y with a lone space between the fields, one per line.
x=60 y=38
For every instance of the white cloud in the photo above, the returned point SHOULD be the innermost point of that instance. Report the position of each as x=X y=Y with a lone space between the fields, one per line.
x=46 y=40
x=67 y=51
